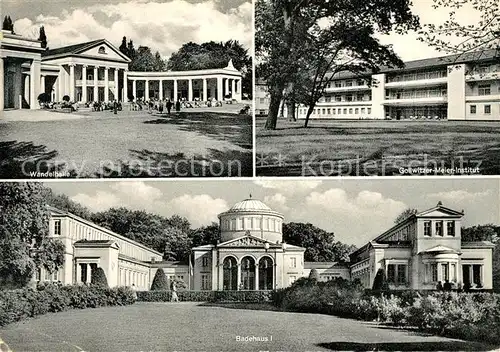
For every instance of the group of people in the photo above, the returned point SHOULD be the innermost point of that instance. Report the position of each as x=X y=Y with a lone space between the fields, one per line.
x=102 y=106
x=448 y=286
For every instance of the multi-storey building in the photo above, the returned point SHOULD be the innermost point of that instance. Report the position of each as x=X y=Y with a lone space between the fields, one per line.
x=423 y=250
x=455 y=87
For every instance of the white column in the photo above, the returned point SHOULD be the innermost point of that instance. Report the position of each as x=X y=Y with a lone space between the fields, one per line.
x=237 y=96
x=2 y=88
x=96 y=83
x=205 y=89
x=84 y=84
x=34 y=83
x=190 y=90
x=256 y=277
x=56 y=89
x=72 y=82
x=42 y=84
x=226 y=86
x=175 y=90
x=60 y=79
x=116 y=84
x=233 y=89
x=161 y=89
x=219 y=89
x=134 y=89
x=146 y=89
x=26 y=89
x=125 y=87
x=238 y=281
x=106 y=84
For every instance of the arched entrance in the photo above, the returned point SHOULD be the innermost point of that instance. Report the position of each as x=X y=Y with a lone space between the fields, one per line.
x=266 y=279
x=248 y=273
x=230 y=274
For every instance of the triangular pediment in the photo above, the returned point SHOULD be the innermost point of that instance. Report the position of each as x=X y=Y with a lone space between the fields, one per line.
x=440 y=211
x=245 y=241
x=440 y=249
x=103 y=50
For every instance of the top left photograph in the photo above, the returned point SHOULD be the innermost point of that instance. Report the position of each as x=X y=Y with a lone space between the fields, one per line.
x=125 y=89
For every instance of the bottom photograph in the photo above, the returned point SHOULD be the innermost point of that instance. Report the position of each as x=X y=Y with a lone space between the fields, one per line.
x=250 y=265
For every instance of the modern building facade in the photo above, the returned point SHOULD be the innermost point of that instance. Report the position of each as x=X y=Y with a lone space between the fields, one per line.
x=251 y=255
x=98 y=71
x=424 y=249
x=455 y=87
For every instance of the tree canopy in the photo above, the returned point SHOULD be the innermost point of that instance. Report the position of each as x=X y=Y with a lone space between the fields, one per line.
x=320 y=245
x=43 y=37
x=405 y=214
x=8 y=25
x=25 y=245
x=302 y=44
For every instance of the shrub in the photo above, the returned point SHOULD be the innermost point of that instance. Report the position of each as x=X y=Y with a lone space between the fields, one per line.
x=44 y=98
x=20 y=304
x=66 y=98
x=206 y=296
x=160 y=281
x=380 y=282
x=98 y=277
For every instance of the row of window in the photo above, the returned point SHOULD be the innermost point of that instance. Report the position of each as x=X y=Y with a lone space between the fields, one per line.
x=46 y=276
x=397 y=274
x=486 y=109
x=415 y=93
x=346 y=83
x=337 y=111
x=346 y=98
x=438 y=228
x=130 y=277
x=205 y=282
x=448 y=272
x=252 y=223
x=416 y=76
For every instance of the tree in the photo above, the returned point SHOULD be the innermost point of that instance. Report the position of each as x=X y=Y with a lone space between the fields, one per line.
x=64 y=203
x=131 y=49
x=98 y=277
x=380 y=282
x=483 y=35
x=405 y=214
x=44 y=98
x=159 y=63
x=143 y=60
x=123 y=47
x=8 y=25
x=320 y=245
x=43 y=37
x=205 y=235
x=313 y=40
x=313 y=274
x=209 y=55
x=160 y=281
x=25 y=245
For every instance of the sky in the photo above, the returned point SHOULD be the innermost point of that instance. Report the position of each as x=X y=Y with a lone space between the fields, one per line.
x=163 y=25
x=355 y=210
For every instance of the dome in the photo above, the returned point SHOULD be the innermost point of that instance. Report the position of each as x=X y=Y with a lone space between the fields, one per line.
x=249 y=205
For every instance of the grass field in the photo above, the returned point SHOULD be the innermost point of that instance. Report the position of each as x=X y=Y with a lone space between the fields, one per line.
x=167 y=327
x=132 y=144
x=330 y=148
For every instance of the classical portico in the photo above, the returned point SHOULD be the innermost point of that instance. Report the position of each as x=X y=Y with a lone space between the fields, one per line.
x=200 y=85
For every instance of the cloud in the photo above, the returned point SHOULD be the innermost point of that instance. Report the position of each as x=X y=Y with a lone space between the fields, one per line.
x=277 y=202
x=459 y=196
x=367 y=213
x=198 y=209
x=135 y=195
x=161 y=26
x=289 y=187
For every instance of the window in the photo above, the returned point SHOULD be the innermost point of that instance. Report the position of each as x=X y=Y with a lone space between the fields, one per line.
x=204 y=282
x=484 y=89
x=427 y=228
x=360 y=97
x=348 y=97
x=439 y=228
x=329 y=111
x=47 y=275
x=57 y=227
x=292 y=279
x=350 y=111
x=450 y=228
x=487 y=109
x=434 y=273
x=262 y=100
x=262 y=112
x=323 y=111
x=345 y=111
x=38 y=274
x=338 y=98
x=370 y=110
x=356 y=111
x=445 y=272
x=328 y=99
x=338 y=84
x=181 y=277
x=204 y=261
x=391 y=273
x=55 y=276
x=348 y=83
x=362 y=110
x=473 y=109
x=293 y=262
x=102 y=50
x=401 y=276
x=361 y=82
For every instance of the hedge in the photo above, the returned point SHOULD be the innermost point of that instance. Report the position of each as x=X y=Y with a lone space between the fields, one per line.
x=470 y=316
x=206 y=296
x=20 y=304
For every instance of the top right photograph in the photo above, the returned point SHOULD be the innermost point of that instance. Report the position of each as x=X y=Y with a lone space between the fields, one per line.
x=377 y=87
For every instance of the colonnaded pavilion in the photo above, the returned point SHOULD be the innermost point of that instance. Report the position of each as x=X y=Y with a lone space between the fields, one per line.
x=98 y=71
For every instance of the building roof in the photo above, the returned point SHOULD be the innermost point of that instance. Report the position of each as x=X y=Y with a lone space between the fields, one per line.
x=72 y=49
x=96 y=243
x=325 y=265
x=478 y=244
x=249 y=204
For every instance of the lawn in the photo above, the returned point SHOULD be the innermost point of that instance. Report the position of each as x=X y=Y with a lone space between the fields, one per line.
x=131 y=144
x=366 y=148
x=165 y=327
